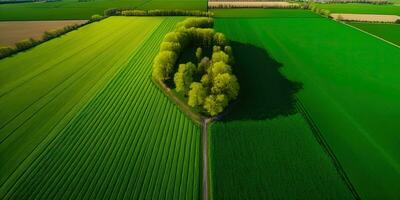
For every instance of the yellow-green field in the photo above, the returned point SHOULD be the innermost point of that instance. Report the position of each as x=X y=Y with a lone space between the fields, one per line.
x=84 y=119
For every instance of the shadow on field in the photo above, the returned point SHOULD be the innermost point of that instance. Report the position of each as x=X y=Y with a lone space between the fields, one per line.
x=264 y=92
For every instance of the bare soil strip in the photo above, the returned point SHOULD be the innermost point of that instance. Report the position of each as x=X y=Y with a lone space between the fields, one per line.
x=365 y=17
x=15 y=31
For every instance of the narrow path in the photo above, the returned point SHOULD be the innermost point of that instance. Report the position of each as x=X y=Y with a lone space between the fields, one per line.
x=204 y=139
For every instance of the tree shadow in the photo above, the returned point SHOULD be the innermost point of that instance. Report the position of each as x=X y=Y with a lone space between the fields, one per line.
x=264 y=92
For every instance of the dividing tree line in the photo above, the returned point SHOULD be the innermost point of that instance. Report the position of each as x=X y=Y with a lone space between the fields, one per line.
x=135 y=12
x=209 y=84
x=47 y=35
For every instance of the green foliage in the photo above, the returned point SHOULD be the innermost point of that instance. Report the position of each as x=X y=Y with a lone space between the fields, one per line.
x=203 y=65
x=226 y=84
x=96 y=17
x=159 y=12
x=219 y=67
x=134 y=13
x=196 y=22
x=58 y=32
x=199 y=53
x=201 y=36
x=220 y=56
x=206 y=80
x=215 y=104
x=164 y=64
x=184 y=77
x=213 y=75
x=25 y=44
x=6 y=51
x=220 y=39
x=171 y=46
x=197 y=94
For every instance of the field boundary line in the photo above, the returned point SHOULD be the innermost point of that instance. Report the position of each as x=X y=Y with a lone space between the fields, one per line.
x=375 y=36
x=197 y=118
x=327 y=149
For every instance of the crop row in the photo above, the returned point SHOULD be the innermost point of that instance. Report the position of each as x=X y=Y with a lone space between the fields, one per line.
x=108 y=150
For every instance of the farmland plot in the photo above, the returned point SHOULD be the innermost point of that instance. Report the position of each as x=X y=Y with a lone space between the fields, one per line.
x=350 y=91
x=264 y=148
x=361 y=8
x=75 y=9
x=389 y=32
x=12 y=32
x=108 y=149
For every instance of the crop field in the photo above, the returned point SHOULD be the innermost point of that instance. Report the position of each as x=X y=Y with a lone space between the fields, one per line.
x=389 y=32
x=88 y=127
x=15 y=31
x=74 y=9
x=354 y=8
x=338 y=95
x=264 y=13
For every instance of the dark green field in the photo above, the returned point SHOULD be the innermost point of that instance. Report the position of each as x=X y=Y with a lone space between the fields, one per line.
x=347 y=77
x=358 y=8
x=389 y=32
x=73 y=9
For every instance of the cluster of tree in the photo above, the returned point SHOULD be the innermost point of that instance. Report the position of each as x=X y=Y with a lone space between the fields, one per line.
x=174 y=42
x=320 y=11
x=375 y=2
x=135 y=12
x=47 y=35
x=216 y=85
x=397 y=21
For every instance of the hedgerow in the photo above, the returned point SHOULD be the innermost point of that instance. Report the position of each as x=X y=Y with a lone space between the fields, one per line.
x=210 y=84
x=135 y=12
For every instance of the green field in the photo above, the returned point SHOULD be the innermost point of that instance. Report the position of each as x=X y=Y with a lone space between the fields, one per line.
x=85 y=123
x=73 y=9
x=354 y=8
x=269 y=13
x=389 y=32
x=350 y=91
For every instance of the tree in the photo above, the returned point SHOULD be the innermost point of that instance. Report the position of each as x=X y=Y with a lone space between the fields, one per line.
x=225 y=84
x=197 y=94
x=170 y=46
x=203 y=65
x=184 y=77
x=6 y=51
x=96 y=18
x=199 y=53
x=215 y=104
x=219 y=68
x=220 y=56
x=205 y=80
x=220 y=39
x=163 y=65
